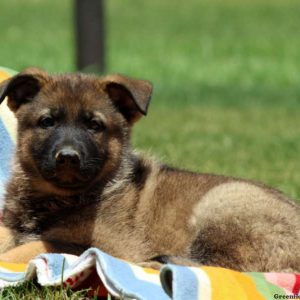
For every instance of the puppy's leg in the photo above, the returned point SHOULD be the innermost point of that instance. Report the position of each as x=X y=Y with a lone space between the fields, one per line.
x=6 y=239
x=24 y=253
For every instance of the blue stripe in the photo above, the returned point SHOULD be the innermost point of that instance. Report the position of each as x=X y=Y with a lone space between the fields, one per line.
x=6 y=152
x=12 y=277
x=183 y=284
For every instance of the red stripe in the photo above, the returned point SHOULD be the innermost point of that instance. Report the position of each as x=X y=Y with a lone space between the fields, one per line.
x=94 y=284
x=296 y=288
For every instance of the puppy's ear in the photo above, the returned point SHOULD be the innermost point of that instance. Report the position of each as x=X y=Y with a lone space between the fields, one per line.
x=23 y=87
x=130 y=96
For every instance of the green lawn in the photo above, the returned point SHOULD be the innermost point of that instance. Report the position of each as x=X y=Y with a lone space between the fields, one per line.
x=226 y=76
x=31 y=291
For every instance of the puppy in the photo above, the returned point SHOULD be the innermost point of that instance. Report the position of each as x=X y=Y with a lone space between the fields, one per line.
x=77 y=183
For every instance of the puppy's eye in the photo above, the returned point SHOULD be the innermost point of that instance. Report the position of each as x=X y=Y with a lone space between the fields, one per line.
x=95 y=125
x=46 y=122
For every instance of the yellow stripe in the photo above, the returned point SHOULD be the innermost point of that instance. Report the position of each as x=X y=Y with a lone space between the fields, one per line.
x=151 y=271
x=13 y=267
x=227 y=285
x=4 y=75
x=9 y=120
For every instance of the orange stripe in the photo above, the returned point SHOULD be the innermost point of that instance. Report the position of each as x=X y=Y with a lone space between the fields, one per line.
x=228 y=284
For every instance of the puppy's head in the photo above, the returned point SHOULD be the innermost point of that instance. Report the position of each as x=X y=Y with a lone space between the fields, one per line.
x=73 y=129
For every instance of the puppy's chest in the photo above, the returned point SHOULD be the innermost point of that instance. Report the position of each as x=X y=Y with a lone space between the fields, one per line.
x=44 y=213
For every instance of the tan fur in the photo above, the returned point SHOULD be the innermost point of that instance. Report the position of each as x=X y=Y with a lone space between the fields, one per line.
x=240 y=209
x=6 y=239
x=136 y=208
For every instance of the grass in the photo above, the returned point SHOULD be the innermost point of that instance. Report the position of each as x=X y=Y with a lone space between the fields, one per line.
x=240 y=142
x=31 y=291
x=226 y=84
x=226 y=76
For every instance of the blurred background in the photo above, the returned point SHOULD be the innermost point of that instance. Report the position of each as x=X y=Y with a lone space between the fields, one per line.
x=226 y=76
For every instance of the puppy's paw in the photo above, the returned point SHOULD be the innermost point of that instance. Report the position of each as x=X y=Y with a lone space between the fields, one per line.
x=9 y=258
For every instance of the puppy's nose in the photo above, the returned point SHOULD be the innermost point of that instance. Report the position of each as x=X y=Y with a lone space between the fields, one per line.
x=67 y=157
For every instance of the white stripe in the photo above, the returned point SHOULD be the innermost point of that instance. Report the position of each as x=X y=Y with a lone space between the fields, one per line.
x=204 y=284
x=140 y=273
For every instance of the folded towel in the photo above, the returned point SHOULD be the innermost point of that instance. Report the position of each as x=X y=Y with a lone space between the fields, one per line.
x=100 y=271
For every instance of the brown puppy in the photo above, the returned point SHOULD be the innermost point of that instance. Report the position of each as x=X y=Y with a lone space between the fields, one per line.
x=77 y=183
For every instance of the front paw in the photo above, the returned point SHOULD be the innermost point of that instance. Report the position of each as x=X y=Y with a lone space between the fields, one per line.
x=8 y=258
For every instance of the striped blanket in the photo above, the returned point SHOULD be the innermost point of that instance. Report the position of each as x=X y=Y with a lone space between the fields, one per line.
x=105 y=274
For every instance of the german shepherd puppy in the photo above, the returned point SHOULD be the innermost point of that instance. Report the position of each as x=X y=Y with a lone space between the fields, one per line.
x=76 y=183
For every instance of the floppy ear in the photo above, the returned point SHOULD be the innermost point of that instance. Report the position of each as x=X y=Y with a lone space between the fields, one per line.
x=23 y=87
x=130 y=96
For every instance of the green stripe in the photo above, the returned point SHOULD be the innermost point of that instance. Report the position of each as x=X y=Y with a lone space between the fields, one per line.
x=267 y=289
